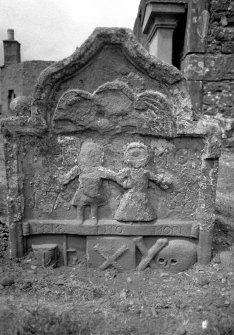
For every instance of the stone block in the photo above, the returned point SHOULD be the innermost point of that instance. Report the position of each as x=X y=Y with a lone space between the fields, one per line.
x=111 y=252
x=46 y=254
x=195 y=89
x=228 y=48
x=226 y=258
x=193 y=67
x=218 y=67
x=197 y=27
x=208 y=67
x=218 y=98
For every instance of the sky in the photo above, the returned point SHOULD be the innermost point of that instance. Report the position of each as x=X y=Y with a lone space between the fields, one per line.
x=52 y=29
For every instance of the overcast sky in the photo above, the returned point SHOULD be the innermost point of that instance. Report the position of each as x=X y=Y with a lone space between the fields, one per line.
x=52 y=29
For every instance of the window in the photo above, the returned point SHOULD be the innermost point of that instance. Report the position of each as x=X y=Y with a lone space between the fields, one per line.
x=11 y=96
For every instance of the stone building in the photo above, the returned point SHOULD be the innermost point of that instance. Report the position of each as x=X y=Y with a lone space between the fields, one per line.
x=197 y=36
x=16 y=79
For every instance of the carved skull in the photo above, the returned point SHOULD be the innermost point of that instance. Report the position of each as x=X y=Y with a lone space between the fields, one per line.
x=177 y=256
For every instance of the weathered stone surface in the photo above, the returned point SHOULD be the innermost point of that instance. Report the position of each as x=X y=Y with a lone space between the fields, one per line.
x=197 y=26
x=135 y=204
x=177 y=256
x=196 y=93
x=209 y=67
x=110 y=158
x=46 y=254
x=16 y=80
x=220 y=67
x=21 y=106
x=226 y=258
x=193 y=67
x=225 y=193
x=111 y=252
x=147 y=255
x=7 y=281
x=221 y=30
x=114 y=108
x=112 y=227
x=219 y=99
x=228 y=47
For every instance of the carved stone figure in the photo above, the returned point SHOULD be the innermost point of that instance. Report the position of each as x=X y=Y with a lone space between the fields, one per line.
x=89 y=192
x=90 y=104
x=135 y=204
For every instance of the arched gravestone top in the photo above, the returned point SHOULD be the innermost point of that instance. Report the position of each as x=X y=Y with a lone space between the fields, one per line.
x=121 y=61
x=107 y=151
x=103 y=43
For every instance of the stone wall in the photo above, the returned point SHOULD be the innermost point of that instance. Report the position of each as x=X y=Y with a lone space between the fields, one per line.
x=219 y=89
x=19 y=78
x=209 y=66
x=11 y=79
x=208 y=57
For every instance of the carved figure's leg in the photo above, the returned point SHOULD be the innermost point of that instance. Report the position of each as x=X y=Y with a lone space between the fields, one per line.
x=94 y=213
x=80 y=214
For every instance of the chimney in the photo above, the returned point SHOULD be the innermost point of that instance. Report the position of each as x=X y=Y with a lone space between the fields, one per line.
x=11 y=49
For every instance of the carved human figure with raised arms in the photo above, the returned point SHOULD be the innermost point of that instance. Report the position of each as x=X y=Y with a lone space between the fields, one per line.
x=89 y=191
x=135 y=204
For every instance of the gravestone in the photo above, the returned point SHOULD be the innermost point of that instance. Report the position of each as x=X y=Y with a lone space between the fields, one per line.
x=108 y=163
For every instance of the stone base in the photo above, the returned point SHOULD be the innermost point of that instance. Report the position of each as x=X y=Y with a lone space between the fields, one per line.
x=166 y=245
x=46 y=254
x=123 y=253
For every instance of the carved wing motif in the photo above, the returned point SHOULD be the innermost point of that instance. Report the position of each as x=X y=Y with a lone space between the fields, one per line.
x=115 y=108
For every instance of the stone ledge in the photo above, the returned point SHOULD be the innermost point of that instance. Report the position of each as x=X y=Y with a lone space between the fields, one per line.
x=112 y=227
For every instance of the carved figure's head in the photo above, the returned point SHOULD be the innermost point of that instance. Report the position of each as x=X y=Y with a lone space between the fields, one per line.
x=136 y=155
x=91 y=155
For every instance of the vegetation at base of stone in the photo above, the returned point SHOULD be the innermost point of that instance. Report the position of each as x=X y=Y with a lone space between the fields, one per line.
x=44 y=322
x=3 y=237
x=40 y=322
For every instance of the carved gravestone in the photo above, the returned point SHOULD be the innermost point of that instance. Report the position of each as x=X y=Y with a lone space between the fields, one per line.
x=111 y=165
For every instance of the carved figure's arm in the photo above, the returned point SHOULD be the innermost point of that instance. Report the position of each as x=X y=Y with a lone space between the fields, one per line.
x=118 y=177
x=72 y=174
x=107 y=173
x=123 y=178
x=164 y=181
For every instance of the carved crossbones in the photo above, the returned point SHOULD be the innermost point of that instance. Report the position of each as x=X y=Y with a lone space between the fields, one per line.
x=111 y=260
x=148 y=255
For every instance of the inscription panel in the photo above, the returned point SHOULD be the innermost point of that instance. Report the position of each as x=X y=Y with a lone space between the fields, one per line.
x=184 y=229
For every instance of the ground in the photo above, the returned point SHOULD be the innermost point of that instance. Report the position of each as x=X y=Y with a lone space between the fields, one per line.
x=77 y=300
